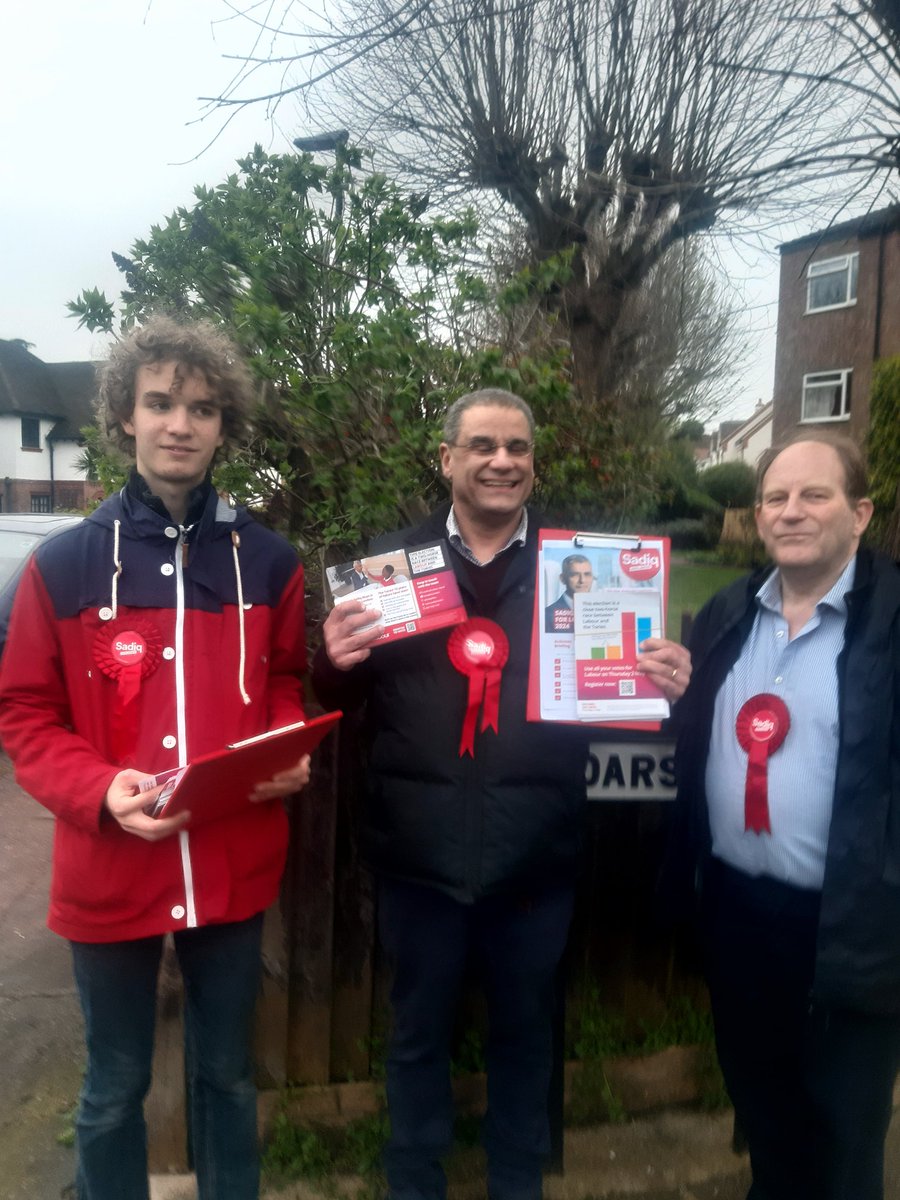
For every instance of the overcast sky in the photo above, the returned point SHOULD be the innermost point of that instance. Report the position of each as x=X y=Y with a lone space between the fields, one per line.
x=98 y=97
x=100 y=135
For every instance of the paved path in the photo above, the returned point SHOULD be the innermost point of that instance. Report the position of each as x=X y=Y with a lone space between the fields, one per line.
x=675 y=1155
x=40 y=1024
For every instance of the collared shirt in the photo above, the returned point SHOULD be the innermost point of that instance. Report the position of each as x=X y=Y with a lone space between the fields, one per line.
x=802 y=671
x=455 y=538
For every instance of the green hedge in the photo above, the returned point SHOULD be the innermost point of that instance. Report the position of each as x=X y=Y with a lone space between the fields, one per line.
x=884 y=456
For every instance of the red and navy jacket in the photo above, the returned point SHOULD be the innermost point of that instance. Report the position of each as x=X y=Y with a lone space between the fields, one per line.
x=213 y=610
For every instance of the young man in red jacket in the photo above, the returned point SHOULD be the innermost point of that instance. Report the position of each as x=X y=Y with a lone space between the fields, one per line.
x=165 y=626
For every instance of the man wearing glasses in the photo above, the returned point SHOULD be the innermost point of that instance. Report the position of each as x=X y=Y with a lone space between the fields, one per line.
x=474 y=838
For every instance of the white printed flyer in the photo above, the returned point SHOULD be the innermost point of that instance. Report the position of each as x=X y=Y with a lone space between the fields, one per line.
x=609 y=627
x=598 y=598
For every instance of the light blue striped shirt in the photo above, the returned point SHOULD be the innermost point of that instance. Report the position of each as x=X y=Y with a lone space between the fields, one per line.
x=803 y=672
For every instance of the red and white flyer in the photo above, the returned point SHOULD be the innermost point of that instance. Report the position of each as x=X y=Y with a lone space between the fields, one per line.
x=409 y=591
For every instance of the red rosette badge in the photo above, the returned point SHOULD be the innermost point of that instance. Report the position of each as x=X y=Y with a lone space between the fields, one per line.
x=761 y=727
x=127 y=653
x=479 y=648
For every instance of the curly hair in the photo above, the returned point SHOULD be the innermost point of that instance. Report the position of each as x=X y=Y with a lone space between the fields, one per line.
x=198 y=346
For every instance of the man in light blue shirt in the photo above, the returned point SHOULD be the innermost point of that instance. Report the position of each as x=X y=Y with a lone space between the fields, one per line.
x=789 y=802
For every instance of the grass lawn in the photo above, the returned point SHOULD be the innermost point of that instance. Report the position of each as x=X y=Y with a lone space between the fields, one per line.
x=690 y=586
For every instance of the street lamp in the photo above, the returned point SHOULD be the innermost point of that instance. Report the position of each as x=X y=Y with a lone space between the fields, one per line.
x=323 y=141
x=335 y=140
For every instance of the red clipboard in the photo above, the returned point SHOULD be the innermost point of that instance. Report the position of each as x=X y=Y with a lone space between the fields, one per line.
x=533 y=698
x=219 y=784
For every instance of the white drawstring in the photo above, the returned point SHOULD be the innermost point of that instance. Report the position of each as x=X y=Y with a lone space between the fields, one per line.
x=235 y=546
x=118 y=570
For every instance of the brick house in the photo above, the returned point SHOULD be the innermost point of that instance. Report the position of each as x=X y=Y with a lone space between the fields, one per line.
x=838 y=311
x=43 y=407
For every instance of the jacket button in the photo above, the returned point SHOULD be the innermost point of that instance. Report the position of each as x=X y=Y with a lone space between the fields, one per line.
x=105 y=614
x=167 y=569
x=170 y=741
x=171 y=531
x=169 y=653
x=178 y=912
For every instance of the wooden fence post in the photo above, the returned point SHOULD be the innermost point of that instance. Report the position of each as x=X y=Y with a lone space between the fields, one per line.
x=165 y=1109
x=354 y=918
x=310 y=916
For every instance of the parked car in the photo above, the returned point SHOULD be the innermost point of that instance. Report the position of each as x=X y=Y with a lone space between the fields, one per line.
x=20 y=536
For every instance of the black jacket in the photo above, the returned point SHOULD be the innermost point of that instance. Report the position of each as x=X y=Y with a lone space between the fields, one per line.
x=509 y=818
x=858 y=954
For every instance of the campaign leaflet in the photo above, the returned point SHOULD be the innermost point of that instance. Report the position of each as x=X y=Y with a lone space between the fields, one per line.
x=609 y=627
x=599 y=597
x=410 y=591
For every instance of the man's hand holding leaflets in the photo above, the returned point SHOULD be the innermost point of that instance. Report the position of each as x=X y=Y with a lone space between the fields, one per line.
x=407 y=592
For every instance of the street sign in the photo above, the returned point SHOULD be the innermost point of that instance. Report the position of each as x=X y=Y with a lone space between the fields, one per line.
x=631 y=771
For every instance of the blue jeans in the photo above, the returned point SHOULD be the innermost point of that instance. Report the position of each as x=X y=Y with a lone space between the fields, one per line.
x=221 y=967
x=517 y=941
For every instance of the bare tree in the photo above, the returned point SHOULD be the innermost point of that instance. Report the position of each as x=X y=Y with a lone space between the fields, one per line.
x=869 y=67
x=854 y=63
x=614 y=129
x=678 y=346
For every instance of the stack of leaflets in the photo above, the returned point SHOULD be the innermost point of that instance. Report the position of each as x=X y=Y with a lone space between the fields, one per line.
x=599 y=598
x=219 y=784
x=409 y=591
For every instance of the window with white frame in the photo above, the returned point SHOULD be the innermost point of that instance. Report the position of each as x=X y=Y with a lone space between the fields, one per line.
x=831 y=283
x=826 y=396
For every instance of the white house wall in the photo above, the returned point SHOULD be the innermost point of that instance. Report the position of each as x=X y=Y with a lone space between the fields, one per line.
x=65 y=458
x=745 y=444
x=759 y=440
x=10 y=439
x=16 y=463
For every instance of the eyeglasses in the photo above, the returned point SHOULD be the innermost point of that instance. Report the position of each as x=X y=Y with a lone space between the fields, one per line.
x=485 y=447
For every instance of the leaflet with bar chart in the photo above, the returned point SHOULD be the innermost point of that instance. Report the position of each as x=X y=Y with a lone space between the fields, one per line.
x=598 y=596
x=610 y=625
